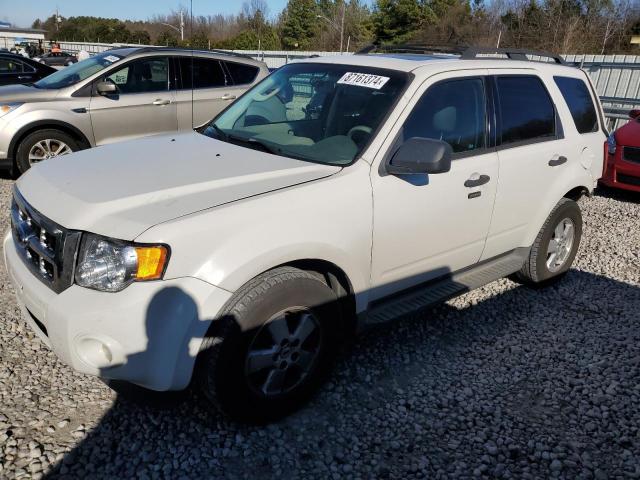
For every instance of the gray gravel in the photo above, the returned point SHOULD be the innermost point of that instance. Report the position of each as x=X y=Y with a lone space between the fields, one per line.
x=504 y=382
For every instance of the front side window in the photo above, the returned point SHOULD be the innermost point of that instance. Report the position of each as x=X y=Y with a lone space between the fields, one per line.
x=142 y=76
x=79 y=71
x=323 y=113
x=576 y=94
x=453 y=111
x=526 y=110
x=242 y=74
x=204 y=73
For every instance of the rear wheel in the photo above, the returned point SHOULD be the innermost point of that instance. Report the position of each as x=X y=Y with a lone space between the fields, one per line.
x=42 y=145
x=272 y=346
x=555 y=247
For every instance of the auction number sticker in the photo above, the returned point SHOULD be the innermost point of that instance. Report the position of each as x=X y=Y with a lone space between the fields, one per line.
x=364 y=80
x=111 y=58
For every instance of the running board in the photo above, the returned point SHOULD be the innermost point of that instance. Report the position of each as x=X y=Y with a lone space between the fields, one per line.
x=444 y=288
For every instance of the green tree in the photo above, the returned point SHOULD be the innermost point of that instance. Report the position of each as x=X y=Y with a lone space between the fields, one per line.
x=300 y=24
x=167 y=39
x=399 y=20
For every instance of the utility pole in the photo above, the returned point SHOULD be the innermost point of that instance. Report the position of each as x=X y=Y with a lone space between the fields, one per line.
x=181 y=25
x=58 y=20
x=342 y=26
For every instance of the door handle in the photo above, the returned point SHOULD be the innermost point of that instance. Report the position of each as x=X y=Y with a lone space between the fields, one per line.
x=159 y=101
x=557 y=160
x=24 y=77
x=477 y=180
x=228 y=96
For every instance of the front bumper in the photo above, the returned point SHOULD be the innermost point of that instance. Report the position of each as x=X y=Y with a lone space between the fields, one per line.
x=148 y=334
x=619 y=173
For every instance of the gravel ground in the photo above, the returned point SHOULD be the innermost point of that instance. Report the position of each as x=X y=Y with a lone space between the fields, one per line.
x=504 y=382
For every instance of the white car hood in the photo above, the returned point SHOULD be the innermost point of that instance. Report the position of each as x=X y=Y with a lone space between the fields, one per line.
x=121 y=190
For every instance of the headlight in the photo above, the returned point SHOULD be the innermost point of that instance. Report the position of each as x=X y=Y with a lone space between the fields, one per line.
x=111 y=265
x=8 y=107
x=611 y=144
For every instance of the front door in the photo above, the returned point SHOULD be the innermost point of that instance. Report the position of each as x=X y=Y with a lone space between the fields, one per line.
x=144 y=104
x=428 y=226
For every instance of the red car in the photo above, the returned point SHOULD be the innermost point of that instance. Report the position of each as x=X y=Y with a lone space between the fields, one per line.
x=622 y=164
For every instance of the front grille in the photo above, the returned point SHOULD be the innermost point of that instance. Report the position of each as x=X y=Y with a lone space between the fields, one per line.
x=48 y=249
x=631 y=154
x=628 y=179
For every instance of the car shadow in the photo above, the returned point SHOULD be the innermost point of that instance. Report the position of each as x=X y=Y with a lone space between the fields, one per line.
x=469 y=359
x=618 y=194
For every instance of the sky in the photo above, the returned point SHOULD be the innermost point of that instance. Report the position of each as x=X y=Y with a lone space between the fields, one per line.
x=22 y=13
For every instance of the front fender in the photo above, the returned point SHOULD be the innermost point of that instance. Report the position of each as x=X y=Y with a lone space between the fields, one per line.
x=328 y=219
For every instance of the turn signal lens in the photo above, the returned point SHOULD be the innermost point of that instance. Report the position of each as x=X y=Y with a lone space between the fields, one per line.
x=151 y=262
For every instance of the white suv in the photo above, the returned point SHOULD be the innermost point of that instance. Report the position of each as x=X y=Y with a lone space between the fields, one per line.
x=337 y=193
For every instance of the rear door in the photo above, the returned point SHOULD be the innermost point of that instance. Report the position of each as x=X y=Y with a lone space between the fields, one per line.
x=144 y=105
x=533 y=154
x=10 y=71
x=204 y=90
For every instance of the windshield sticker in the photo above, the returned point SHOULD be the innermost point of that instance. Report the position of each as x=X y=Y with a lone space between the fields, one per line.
x=364 y=80
x=111 y=58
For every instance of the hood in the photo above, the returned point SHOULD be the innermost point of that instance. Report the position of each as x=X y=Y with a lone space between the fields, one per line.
x=629 y=134
x=24 y=93
x=121 y=190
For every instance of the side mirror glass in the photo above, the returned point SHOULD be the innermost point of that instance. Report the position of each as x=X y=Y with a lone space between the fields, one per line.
x=633 y=114
x=421 y=155
x=106 y=88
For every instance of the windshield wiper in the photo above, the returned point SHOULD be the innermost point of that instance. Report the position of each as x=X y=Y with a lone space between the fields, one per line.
x=251 y=142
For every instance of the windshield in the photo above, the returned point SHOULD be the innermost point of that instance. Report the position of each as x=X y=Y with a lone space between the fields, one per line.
x=78 y=71
x=323 y=113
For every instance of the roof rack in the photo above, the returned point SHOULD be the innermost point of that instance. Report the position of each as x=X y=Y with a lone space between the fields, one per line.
x=466 y=52
x=187 y=49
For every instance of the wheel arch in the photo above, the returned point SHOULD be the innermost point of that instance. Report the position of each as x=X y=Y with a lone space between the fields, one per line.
x=577 y=193
x=42 y=125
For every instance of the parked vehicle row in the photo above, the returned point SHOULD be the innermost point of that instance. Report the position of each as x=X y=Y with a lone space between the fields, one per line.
x=337 y=193
x=16 y=69
x=117 y=95
x=622 y=166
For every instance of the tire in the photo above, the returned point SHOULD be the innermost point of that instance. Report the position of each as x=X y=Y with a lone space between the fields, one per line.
x=55 y=138
x=234 y=371
x=541 y=268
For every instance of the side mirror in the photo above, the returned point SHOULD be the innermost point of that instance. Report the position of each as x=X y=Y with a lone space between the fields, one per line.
x=421 y=155
x=106 y=88
x=633 y=114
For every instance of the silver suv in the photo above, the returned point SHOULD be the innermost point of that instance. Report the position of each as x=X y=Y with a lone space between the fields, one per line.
x=118 y=95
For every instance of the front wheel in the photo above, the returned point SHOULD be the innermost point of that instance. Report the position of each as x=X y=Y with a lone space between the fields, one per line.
x=42 y=145
x=271 y=347
x=555 y=247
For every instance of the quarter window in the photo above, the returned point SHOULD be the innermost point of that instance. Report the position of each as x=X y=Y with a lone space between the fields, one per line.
x=143 y=76
x=576 y=94
x=453 y=111
x=526 y=110
x=242 y=74
x=203 y=72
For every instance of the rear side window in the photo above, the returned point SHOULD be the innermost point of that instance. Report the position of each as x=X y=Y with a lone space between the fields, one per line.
x=10 y=66
x=526 y=110
x=576 y=94
x=452 y=111
x=206 y=73
x=242 y=74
